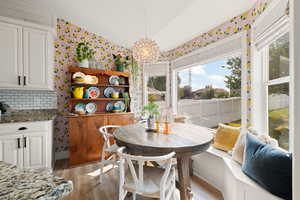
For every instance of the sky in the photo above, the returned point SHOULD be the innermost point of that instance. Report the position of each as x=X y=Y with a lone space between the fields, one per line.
x=208 y=74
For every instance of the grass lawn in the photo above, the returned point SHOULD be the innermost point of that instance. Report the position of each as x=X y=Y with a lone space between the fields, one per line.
x=279 y=126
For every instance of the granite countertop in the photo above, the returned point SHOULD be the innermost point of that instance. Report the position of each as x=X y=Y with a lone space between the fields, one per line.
x=28 y=116
x=28 y=184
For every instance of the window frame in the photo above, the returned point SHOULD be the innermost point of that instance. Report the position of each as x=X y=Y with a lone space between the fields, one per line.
x=277 y=81
x=260 y=59
x=222 y=44
x=146 y=76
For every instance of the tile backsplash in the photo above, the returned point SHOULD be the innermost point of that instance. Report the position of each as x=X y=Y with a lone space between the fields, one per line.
x=29 y=99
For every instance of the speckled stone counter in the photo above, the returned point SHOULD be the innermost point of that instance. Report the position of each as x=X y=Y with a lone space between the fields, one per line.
x=25 y=184
x=28 y=116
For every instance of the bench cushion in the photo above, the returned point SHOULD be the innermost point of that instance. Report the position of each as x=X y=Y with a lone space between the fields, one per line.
x=270 y=167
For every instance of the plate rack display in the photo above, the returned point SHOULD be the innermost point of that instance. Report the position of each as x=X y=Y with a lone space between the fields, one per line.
x=101 y=101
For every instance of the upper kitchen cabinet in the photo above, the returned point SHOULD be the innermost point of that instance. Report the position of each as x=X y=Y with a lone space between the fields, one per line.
x=26 y=54
x=10 y=55
x=37 y=59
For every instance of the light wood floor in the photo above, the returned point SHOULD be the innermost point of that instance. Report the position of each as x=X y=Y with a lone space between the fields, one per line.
x=87 y=187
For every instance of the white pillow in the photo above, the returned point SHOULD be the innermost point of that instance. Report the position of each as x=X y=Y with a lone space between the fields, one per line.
x=239 y=147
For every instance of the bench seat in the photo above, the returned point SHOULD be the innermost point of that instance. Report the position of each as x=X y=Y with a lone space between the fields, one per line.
x=218 y=169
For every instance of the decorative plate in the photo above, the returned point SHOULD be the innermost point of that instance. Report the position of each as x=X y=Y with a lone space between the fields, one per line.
x=119 y=105
x=93 y=92
x=114 y=80
x=78 y=75
x=88 y=79
x=91 y=108
x=108 y=92
x=109 y=107
x=80 y=107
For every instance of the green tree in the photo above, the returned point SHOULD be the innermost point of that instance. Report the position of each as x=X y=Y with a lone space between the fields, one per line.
x=157 y=82
x=233 y=81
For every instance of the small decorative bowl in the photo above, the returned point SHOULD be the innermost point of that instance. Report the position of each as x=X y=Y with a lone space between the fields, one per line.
x=115 y=95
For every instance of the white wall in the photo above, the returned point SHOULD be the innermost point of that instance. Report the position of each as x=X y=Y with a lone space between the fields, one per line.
x=295 y=13
x=210 y=113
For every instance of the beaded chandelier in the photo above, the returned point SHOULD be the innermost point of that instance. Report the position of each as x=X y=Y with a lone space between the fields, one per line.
x=145 y=51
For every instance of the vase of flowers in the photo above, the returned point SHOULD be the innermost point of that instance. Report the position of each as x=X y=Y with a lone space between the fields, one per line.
x=121 y=62
x=151 y=110
x=83 y=54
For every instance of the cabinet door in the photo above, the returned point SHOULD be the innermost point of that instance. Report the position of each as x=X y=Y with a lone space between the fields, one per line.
x=94 y=138
x=10 y=56
x=77 y=140
x=11 y=149
x=36 y=61
x=34 y=145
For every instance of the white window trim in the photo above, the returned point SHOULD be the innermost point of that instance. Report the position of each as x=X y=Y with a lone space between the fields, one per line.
x=145 y=80
x=242 y=51
x=260 y=64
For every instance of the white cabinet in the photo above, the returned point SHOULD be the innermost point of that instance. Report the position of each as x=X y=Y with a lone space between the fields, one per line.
x=34 y=150
x=10 y=55
x=27 y=145
x=10 y=151
x=37 y=63
x=26 y=55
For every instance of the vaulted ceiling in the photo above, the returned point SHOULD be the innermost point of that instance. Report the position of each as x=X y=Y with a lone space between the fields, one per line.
x=169 y=22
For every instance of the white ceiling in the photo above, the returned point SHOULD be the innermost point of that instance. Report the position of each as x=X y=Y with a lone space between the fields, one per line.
x=170 y=22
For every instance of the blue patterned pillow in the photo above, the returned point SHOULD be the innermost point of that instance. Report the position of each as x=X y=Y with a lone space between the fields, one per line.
x=270 y=167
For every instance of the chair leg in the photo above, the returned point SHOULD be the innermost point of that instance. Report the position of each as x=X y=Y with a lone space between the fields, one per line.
x=101 y=173
x=122 y=193
x=114 y=161
x=174 y=195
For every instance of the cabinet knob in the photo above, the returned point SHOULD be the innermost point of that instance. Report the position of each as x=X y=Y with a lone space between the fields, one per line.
x=24 y=79
x=22 y=128
x=19 y=80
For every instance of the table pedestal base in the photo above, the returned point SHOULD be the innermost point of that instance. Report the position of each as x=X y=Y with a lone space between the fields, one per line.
x=184 y=182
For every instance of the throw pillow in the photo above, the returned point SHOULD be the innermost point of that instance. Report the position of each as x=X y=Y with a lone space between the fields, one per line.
x=239 y=147
x=269 y=166
x=226 y=137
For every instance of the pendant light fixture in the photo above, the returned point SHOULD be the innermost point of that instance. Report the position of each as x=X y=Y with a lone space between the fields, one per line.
x=145 y=50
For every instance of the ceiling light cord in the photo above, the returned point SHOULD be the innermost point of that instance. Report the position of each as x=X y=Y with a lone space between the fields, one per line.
x=145 y=18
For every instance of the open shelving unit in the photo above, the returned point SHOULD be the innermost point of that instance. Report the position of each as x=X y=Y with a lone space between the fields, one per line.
x=103 y=83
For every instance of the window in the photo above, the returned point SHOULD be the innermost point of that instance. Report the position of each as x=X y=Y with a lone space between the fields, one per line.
x=278 y=89
x=156 y=87
x=210 y=94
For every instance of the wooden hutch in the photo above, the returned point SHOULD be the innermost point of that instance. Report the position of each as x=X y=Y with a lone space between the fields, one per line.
x=85 y=140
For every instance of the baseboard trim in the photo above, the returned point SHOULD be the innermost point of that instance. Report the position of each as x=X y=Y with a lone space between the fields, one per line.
x=195 y=173
x=61 y=155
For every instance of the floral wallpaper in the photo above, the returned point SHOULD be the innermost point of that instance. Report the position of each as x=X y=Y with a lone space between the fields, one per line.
x=229 y=28
x=68 y=36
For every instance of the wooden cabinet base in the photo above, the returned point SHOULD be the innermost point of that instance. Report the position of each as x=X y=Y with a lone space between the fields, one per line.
x=84 y=137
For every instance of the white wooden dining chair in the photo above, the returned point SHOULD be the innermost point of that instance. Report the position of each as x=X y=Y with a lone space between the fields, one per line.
x=146 y=181
x=107 y=148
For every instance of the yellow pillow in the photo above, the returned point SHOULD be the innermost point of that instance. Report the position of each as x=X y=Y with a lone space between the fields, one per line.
x=226 y=137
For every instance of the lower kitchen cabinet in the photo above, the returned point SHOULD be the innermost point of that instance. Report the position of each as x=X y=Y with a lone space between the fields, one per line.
x=10 y=150
x=27 y=145
x=85 y=140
